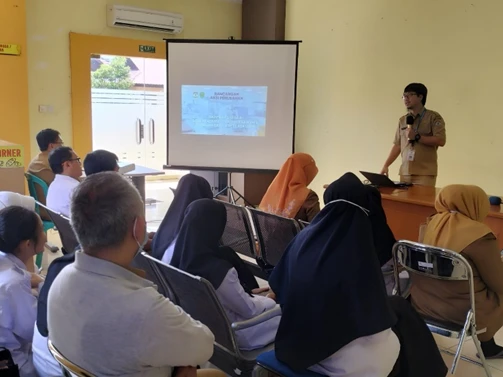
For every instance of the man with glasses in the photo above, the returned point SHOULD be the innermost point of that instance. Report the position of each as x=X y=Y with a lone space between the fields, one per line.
x=419 y=134
x=67 y=167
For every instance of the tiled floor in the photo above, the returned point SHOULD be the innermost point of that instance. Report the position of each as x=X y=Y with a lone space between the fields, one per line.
x=155 y=212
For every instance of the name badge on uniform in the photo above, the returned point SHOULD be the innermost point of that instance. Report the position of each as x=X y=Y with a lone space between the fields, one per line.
x=411 y=154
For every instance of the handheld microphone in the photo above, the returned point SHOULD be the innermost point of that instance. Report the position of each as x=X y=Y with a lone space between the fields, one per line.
x=409 y=121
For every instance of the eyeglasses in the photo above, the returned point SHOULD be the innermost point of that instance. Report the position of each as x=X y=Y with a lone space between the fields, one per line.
x=73 y=159
x=408 y=95
x=59 y=142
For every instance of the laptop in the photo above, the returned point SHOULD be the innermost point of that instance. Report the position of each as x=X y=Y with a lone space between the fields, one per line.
x=382 y=180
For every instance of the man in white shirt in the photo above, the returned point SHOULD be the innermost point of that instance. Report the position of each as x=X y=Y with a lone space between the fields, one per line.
x=68 y=169
x=102 y=315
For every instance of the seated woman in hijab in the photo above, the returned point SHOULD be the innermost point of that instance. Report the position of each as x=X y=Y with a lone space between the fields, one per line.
x=288 y=194
x=336 y=317
x=191 y=187
x=198 y=252
x=21 y=238
x=350 y=188
x=459 y=226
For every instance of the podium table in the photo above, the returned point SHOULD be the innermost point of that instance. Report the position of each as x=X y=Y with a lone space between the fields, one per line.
x=407 y=209
x=138 y=177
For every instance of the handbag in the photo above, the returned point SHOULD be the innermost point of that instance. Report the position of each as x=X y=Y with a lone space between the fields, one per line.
x=7 y=366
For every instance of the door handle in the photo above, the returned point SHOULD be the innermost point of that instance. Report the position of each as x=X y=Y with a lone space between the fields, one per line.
x=138 y=131
x=151 y=134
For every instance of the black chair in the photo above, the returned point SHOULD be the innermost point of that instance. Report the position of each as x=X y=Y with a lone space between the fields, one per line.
x=239 y=235
x=153 y=274
x=274 y=234
x=198 y=298
x=302 y=224
x=442 y=264
x=64 y=228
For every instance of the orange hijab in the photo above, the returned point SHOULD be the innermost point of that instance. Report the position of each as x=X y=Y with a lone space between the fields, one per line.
x=288 y=192
x=460 y=219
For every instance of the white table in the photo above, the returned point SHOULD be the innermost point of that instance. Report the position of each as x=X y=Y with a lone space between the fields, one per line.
x=138 y=176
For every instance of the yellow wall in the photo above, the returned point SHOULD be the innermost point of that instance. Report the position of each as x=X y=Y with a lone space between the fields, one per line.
x=14 y=82
x=51 y=21
x=358 y=55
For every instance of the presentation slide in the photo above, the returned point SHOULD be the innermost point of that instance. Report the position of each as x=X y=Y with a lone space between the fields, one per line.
x=231 y=105
x=224 y=110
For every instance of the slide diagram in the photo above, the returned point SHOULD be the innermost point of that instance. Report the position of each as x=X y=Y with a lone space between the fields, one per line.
x=224 y=110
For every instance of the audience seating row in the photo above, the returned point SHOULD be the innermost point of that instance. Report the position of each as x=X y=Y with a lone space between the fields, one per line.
x=259 y=235
x=264 y=237
x=197 y=297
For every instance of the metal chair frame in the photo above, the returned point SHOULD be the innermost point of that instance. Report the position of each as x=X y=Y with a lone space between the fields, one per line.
x=403 y=251
x=227 y=357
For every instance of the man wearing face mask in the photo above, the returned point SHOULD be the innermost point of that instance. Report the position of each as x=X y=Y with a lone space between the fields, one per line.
x=102 y=314
x=419 y=134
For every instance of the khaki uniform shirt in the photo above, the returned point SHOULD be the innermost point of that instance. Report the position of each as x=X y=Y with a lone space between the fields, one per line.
x=425 y=156
x=40 y=168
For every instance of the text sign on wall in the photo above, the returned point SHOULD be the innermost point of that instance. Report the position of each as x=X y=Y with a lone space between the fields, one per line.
x=149 y=49
x=9 y=49
x=11 y=156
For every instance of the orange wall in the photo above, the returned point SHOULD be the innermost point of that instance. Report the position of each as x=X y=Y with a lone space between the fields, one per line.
x=14 y=121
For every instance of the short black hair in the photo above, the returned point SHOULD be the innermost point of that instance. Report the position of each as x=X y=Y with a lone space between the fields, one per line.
x=58 y=157
x=46 y=137
x=100 y=161
x=17 y=224
x=419 y=89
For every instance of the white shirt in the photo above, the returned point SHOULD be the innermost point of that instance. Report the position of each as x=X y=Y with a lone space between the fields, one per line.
x=168 y=254
x=60 y=194
x=240 y=306
x=368 y=356
x=18 y=312
x=44 y=362
x=96 y=306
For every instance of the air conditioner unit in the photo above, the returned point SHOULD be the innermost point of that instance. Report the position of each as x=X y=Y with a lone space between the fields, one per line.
x=144 y=19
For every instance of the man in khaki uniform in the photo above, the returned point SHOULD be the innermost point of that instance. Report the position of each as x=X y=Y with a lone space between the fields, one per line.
x=417 y=138
x=47 y=140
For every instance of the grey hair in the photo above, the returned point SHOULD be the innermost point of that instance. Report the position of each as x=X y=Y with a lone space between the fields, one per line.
x=104 y=206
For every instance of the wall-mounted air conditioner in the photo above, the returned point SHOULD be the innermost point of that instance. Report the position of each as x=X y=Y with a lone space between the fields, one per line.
x=144 y=19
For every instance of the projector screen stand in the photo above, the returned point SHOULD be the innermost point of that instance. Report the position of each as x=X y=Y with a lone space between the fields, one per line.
x=232 y=194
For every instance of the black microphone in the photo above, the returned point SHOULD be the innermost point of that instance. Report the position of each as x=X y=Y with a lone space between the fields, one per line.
x=409 y=121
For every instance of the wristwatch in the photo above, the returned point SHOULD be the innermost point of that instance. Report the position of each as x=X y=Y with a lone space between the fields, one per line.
x=417 y=137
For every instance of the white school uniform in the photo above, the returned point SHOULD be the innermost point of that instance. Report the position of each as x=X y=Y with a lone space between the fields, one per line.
x=240 y=306
x=60 y=194
x=18 y=312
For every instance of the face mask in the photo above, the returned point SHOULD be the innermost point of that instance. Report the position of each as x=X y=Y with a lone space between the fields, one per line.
x=145 y=239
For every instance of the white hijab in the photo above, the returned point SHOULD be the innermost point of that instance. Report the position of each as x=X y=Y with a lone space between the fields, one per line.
x=8 y=199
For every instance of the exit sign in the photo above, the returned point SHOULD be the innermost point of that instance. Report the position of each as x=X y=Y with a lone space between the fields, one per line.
x=149 y=49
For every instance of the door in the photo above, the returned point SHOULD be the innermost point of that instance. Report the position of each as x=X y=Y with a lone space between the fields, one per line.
x=126 y=115
x=129 y=108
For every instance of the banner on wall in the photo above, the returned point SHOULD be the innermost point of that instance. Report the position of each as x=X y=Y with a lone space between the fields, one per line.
x=11 y=156
x=10 y=49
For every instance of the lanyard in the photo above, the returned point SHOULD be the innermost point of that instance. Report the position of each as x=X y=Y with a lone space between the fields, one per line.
x=420 y=119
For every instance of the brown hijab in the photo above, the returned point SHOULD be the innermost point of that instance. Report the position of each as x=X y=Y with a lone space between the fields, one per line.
x=461 y=211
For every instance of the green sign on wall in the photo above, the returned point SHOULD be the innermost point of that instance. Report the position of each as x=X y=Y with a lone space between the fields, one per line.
x=149 y=49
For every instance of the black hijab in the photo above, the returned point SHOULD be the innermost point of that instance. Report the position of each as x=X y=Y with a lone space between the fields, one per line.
x=198 y=251
x=191 y=187
x=330 y=287
x=349 y=187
